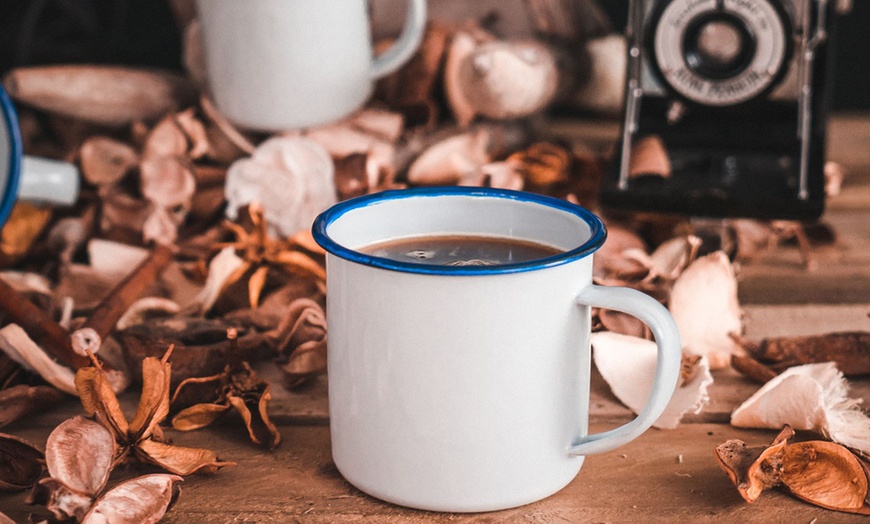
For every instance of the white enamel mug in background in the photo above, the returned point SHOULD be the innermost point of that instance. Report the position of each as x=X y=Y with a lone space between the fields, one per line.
x=39 y=180
x=466 y=388
x=274 y=65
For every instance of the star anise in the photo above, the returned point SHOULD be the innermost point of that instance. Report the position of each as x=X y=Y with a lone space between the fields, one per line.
x=142 y=439
x=263 y=253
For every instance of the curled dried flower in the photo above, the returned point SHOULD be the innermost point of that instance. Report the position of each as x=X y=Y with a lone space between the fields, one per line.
x=21 y=463
x=140 y=438
x=301 y=341
x=819 y=472
x=105 y=160
x=201 y=401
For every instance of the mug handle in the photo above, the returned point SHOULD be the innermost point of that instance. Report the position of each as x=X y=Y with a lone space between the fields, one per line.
x=670 y=354
x=406 y=45
x=45 y=180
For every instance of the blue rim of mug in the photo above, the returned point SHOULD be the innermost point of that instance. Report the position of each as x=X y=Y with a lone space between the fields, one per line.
x=598 y=232
x=10 y=120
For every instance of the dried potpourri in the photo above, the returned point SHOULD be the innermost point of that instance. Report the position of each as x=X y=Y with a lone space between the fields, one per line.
x=142 y=439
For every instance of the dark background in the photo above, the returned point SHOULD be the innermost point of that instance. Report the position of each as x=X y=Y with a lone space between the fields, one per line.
x=144 y=32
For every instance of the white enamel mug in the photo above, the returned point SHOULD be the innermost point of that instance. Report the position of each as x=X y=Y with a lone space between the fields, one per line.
x=38 y=180
x=466 y=388
x=274 y=65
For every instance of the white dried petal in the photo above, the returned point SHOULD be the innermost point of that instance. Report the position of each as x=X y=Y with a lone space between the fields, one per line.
x=628 y=366
x=674 y=255
x=144 y=308
x=502 y=175
x=112 y=259
x=160 y=227
x=811 y=397
x=80 y=453
x=23 y=281
x=505 y=80
x=343 y=138
x=220 y=269
x=20 y=348
x=167 y=182
x=143 y=500
x=704 y=305
x=290 y=176
x=452 y=159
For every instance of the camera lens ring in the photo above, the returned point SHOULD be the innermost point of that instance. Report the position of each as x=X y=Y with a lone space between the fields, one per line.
x=762 y=24
x=723 y=62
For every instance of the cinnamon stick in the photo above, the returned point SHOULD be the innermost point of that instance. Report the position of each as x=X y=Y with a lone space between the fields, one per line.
x=47 y=333
x=107 y=313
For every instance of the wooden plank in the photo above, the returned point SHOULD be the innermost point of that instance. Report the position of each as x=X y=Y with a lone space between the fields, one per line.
x=663 y=476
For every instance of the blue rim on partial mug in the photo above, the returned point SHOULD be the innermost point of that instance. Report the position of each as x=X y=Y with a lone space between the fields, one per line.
x=13 y=162
x=596 y=238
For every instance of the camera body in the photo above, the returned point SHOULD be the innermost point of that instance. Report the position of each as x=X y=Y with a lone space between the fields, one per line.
x=736 y=91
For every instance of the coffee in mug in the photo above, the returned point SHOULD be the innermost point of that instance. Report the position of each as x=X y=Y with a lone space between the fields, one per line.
x=461 y=250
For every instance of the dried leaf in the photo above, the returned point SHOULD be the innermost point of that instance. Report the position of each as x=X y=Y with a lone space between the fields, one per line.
x=143 y=500
x=220 y=270
x=21 y=463
x=260 y=428
x=80 y=453
x=825 y=474
x=179 y=460
x=297 y=262
x=198 y=416
x=19 y=401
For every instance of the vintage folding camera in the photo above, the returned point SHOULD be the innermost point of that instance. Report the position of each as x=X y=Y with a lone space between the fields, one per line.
x=735 y=91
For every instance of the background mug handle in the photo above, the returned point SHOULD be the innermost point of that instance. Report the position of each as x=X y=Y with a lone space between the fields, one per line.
x=667 y=338
x=405 y=46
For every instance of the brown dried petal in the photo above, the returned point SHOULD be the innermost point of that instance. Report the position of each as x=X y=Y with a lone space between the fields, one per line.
x=80 y=453
x=260 y=428
x=19 y=401
x=99 y=400
x=166 y=139
x=198 y=416
x=296 y=262
x=143 y=500
x=196 y=134
x=753 y=469
x=301 y=340
x=105 y=161
x=21 y=463
x=179 y=460
x=61 y=500
x=194 y=391
x=154 y=401
x=5 y=520
x=256 y=283
x=825 y=474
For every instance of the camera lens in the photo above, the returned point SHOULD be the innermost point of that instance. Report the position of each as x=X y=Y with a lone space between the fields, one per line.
x=718 y=46
x=719 y=52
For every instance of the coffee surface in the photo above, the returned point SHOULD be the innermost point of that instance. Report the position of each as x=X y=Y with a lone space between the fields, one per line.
x=460 y=250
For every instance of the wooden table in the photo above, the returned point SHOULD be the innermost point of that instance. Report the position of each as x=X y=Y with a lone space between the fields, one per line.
x=663 y=476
